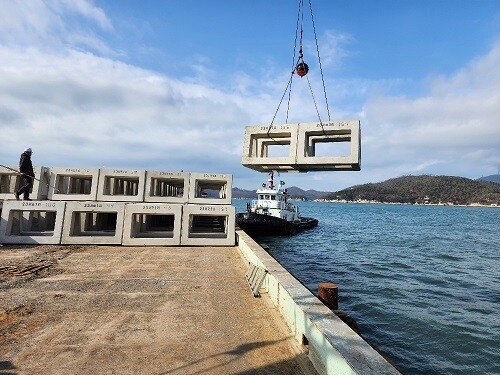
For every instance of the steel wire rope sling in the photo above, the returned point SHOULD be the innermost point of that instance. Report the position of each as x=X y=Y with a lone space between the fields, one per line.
x=300 y=68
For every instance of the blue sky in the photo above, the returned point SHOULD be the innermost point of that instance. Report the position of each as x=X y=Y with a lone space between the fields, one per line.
x=171 y=85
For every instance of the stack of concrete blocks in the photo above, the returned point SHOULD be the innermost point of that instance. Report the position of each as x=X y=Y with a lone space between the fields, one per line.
x=209 y=217
x=302 y=141
x=157 y=221
x=130 y=207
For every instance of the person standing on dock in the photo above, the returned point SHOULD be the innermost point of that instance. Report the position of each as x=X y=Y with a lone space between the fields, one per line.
x=26 y=169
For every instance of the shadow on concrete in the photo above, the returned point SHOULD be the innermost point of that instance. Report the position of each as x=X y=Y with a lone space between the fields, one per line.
x=278 y=368
x=6 y=366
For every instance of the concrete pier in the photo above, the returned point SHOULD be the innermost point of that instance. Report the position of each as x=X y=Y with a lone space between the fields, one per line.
x=143 y=310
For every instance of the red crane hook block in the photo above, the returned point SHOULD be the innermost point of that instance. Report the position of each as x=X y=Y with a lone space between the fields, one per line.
x=301 y=69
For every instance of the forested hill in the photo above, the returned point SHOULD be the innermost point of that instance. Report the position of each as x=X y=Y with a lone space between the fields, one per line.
x=423 y=190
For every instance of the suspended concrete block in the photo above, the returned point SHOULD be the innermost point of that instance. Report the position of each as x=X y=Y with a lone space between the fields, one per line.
x=210 y=188
x=73 y=184
x=95 y=223
x=270 y=148
x=11 y=181
x=208 y=225
x=117 y=185
x=152 y=224
x=31 y=222
x=166 y=187
x=329 y=146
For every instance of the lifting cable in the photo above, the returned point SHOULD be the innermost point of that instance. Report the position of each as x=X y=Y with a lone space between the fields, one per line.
x=300 y=68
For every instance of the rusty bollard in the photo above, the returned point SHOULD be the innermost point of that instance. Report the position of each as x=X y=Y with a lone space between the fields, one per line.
x=328 y=293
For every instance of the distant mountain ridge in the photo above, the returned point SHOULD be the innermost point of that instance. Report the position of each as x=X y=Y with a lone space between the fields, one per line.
x=491 y=178
x=423 y=189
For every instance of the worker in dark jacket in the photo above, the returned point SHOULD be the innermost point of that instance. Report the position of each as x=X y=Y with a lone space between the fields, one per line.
x=26 y=169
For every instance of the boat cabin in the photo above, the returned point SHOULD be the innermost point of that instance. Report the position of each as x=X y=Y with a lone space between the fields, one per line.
x=273 y=201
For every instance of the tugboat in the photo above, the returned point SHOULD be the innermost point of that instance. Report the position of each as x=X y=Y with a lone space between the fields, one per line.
x=272 y=214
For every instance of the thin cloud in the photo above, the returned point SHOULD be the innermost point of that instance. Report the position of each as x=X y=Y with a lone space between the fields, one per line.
x=460 y=117
x=53 y=24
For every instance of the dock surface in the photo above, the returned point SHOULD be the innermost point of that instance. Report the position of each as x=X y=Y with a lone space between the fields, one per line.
x=137 y=310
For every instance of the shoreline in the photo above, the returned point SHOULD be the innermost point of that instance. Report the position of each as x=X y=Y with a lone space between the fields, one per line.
x=406 y=204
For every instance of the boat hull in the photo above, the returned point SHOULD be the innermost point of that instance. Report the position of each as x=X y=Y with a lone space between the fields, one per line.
x=265 y=225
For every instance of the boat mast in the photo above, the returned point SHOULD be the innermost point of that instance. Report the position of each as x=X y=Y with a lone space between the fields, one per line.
x=270 y=180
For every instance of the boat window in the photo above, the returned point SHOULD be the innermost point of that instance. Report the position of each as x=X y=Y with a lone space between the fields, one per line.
x=267 y=196
x=261 y=196
x=273 y=197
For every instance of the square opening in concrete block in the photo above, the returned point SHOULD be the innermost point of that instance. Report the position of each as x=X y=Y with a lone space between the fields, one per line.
x=152 y=226
x=332 y=148
x=211 y=189
x=328 y=145
x=207 y=226
x=276 y=149
x=121 y=186
x=90 y=224
x=166 y=187
x=31 y=223
x=70 y=184
x=275 y=145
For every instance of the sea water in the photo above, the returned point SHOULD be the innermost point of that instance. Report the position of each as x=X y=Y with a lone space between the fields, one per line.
x=422 y=282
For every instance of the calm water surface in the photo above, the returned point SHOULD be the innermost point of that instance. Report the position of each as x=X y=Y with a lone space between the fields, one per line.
x=422 y=282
